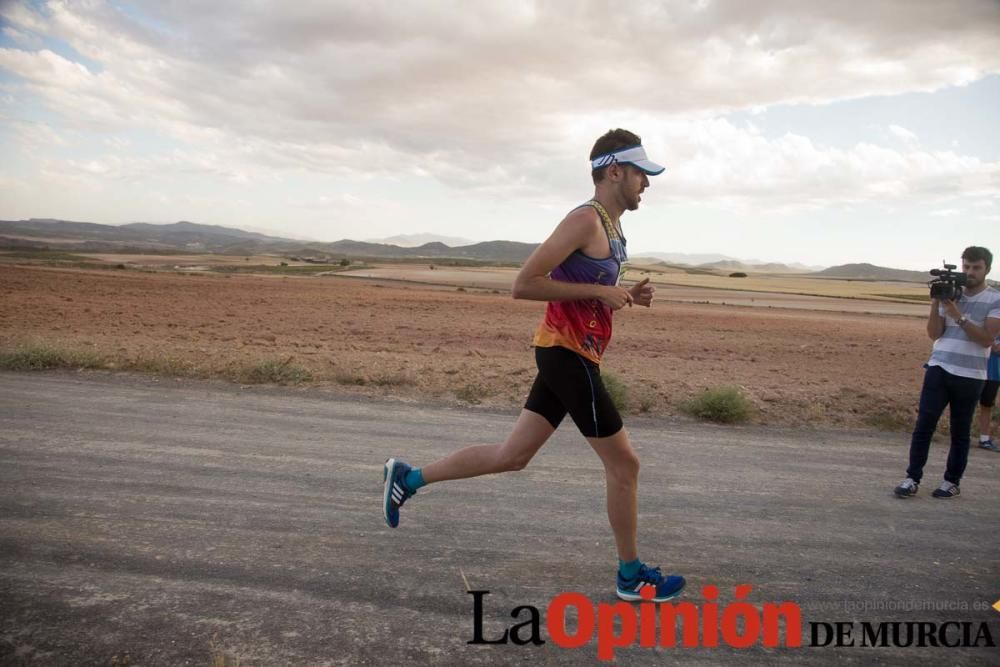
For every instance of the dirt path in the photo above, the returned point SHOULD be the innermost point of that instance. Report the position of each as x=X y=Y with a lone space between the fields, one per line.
x=150 y=521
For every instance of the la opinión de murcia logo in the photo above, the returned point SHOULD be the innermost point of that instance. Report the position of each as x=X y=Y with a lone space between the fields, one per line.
x=738 y=624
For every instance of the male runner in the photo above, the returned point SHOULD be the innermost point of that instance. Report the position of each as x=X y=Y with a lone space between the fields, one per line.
x=577 y=270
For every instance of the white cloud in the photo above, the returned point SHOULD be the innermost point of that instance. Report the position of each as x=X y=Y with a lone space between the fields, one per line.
x=477 y=81
x=22 y=39
x=902 y=133
x=494 y=99
x=739 y=168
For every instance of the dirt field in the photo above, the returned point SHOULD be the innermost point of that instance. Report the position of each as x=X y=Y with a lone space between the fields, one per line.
x=413 y=341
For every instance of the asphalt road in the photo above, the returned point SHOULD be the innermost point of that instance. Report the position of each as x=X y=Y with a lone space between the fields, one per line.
x=164 y=522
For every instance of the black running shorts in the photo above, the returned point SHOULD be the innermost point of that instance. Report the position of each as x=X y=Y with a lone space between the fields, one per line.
x=567 y=382
x=989 y=396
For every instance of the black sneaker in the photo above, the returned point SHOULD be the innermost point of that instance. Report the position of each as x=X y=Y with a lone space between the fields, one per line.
x=946 y=490
x=907 y=488
x=989 y=444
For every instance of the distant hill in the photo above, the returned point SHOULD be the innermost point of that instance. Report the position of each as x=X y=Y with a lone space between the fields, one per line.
x=686 y=258
x=182 y=236
x=190 y=232
x=872 y=272
x=416 y=240
x=190 y=237
x=735 y=265
x=492 y=251
x=724 y=262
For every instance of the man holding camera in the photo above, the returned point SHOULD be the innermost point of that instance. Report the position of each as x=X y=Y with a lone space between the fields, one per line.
x=963 y=330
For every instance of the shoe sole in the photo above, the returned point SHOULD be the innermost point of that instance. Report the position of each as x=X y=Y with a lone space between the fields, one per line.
x=387 y=471
x=904 y=494
x=948 y=497
x=635 y=597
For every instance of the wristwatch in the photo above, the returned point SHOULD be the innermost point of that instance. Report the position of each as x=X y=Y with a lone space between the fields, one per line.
x=962 y=320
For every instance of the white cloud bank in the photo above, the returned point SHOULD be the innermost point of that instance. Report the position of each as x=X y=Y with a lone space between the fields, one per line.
x=499 y=98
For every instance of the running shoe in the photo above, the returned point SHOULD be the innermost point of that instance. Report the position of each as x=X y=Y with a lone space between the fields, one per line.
x=907 y=488
x=946 y=490
x=394 y=490
x=666 y=587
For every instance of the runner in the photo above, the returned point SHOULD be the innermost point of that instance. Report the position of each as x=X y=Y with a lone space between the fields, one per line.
x=577 y=270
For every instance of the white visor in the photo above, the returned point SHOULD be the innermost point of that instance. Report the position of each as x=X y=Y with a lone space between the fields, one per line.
x=634 y=155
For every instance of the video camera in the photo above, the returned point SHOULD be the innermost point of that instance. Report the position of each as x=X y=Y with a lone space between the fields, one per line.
x=947 y=283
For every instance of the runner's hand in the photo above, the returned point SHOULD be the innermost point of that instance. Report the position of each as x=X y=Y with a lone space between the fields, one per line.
x=615 y=297
x=642 y=293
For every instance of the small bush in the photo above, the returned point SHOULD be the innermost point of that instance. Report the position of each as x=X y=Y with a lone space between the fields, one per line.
x=348 y=378
x=272 y=371
x=890 y=420
x=41 y=357
x=725 y=405
x=168 y=366
x=737 y=274
x=392 y=380
x=473 y=393
x=617 y=390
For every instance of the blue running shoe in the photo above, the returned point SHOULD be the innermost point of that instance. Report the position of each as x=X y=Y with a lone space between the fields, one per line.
x=395 y=492
x=667 y=587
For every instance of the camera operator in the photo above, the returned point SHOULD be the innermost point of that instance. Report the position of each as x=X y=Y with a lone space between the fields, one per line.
x=963 y=330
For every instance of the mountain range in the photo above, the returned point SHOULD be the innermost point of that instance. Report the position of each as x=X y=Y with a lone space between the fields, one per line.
x=416 y=240
x=188 y=237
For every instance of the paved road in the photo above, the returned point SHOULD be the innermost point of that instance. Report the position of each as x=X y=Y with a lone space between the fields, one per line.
x=164 y=522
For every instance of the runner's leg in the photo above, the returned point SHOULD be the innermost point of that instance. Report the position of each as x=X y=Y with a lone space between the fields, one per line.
x=621 y=467
x=531 y=431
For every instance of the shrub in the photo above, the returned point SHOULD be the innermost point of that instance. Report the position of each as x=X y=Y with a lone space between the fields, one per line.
x=272 y=371
x=726 y=405
x=617 y=390
x=472 y=393
x=890 y=420
x=162 y=365
x=350 y=378
x=40 y=357
x=737 y=274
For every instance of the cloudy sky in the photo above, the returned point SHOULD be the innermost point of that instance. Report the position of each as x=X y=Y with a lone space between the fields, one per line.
x=797 y=131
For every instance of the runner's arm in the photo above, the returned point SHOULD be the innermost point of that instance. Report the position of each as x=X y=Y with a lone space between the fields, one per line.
x=533 y=281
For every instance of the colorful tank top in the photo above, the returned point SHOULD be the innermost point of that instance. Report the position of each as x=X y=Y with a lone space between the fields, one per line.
x=584 y=326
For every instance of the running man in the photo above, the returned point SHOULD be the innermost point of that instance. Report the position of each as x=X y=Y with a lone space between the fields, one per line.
x=989 y=398
x=577 y=270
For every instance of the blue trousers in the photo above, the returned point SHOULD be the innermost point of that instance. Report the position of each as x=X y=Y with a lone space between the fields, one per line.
x=940 y=390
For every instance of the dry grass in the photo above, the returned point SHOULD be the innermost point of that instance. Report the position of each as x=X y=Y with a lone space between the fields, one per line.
x=41 y=356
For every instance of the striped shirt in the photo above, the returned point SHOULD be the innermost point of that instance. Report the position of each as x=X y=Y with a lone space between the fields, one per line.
x=954 y=351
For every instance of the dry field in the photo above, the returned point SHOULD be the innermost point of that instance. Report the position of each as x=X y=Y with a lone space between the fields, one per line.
x=468 y=346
